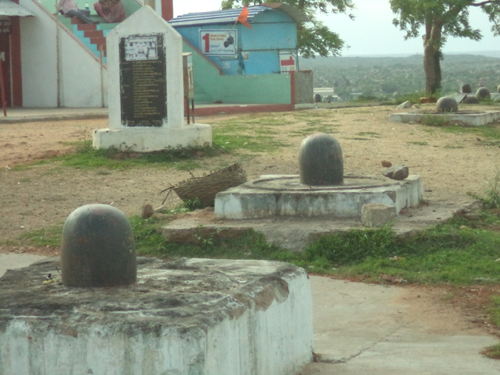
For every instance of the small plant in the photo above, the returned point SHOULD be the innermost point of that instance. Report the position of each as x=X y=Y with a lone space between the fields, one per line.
x=206 y=242
x=435 y=120
x=192 y=204
x=492 y=197
x=492 y=351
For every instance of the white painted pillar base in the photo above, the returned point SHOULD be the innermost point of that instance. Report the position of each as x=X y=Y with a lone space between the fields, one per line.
x=153 y=139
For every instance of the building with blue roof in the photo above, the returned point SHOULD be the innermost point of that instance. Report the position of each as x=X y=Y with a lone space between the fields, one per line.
x=236 y=64
x=268 y=47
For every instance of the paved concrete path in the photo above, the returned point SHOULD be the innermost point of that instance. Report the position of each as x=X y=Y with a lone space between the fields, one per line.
x=13 y=261
x=364 y=329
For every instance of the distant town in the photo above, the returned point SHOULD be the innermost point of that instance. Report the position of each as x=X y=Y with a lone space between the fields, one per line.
x=347 y=78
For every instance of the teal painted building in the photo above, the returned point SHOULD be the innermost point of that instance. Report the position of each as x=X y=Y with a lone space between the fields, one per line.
x=236 y=64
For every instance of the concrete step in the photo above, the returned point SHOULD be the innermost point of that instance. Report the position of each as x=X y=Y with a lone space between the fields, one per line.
x=93 y=34
x=98 y=40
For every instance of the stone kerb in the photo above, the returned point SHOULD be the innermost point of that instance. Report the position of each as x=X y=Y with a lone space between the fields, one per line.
x=145 y=88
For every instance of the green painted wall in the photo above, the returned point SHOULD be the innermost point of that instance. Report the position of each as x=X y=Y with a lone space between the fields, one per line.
x=210 y=86
x=256 y=89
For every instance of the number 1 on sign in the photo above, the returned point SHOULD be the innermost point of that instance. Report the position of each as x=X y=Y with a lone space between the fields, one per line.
x=206 y=38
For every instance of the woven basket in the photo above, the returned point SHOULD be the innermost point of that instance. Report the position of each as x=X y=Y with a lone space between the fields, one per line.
x=206 y=188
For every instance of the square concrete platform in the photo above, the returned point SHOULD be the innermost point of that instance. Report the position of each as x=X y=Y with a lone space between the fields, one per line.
x=470 y=118
x=188 y=317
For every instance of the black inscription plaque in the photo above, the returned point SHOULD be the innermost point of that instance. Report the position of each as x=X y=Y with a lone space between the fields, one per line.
x=143 y=81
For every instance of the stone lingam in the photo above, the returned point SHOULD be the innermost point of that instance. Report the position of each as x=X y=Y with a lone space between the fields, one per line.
x=98 y=309
x=321 y=190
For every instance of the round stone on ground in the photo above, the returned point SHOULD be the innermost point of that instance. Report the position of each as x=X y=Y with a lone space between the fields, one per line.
x=483 y=93
x=466 y=88
x=470 y=99
x=446 y=104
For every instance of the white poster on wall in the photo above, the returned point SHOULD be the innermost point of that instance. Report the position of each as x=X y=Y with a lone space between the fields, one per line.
x=288 y=61
x=218 y=42
x=139 y=48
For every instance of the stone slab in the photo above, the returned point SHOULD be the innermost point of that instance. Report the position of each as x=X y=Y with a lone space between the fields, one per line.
x=284 y=196
x=296 y=233
x=191 y=316
x=468 y=119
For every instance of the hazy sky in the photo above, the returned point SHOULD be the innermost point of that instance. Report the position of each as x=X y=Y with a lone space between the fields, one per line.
x=372 y=31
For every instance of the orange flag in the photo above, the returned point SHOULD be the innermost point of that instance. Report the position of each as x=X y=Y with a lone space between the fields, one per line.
x=242 y=18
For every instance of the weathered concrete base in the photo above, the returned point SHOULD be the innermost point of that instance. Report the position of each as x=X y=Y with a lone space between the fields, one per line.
x=194 y=316
x=153 y=139
x=468 y=119
x=283 y=195
x=296 y=233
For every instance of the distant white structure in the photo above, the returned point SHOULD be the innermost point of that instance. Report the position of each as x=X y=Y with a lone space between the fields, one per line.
x=324 y=91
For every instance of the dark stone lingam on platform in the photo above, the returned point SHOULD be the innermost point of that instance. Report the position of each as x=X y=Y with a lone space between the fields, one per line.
x=320 y=161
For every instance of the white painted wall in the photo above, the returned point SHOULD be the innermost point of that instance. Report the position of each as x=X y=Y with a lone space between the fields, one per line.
x=79 y=68
x=273 y=341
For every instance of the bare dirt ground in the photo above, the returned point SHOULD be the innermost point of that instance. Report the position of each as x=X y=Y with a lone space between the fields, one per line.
x=451 y=164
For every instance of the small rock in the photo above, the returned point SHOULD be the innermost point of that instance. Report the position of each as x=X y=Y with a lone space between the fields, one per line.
x=406 y=104
x=397 y=172
x=386 y=164
x=147 y=211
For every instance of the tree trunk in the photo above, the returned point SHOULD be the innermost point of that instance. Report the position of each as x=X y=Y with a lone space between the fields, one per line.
x=432 y=55
x=432 y=68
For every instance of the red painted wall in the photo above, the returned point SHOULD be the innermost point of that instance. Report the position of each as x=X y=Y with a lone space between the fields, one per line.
x=17 y=78
x=167 y=9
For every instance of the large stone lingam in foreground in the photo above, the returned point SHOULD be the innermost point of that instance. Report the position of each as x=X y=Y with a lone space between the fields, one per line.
x=321 y=189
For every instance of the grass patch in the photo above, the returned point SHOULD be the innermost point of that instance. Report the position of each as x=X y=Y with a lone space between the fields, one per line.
x=373 y=134
x=495 y=311
x=485 y=133
x=435 y=120
x=249 y=133
x=492 y=351
x=86 y=157
x=48 y=236
x=237 y=143
x=251 y=245
x=418 y=143
x=446 y=254
x=415 y=97
x=457 y=253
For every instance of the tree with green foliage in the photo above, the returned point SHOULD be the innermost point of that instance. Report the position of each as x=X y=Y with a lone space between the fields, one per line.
x=440 y=19
x=313 y=37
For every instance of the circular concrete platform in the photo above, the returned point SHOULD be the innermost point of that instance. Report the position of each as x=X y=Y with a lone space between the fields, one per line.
x=292 y=183
x=284 y=195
